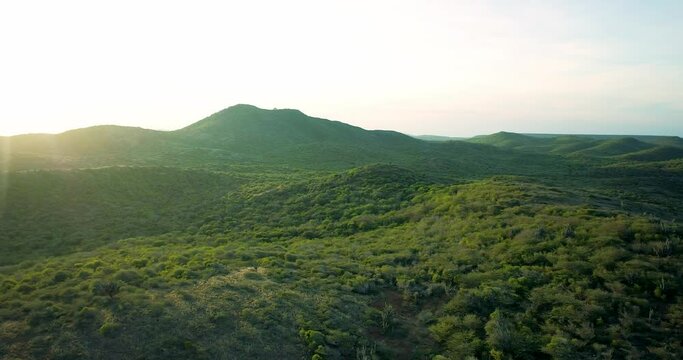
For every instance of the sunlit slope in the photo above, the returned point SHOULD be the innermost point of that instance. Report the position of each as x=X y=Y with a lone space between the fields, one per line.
x=246 y=136
x=614 y=147
x=248 y=128
x=509 y=140
x=293 y=138
x=373 y=262
x=88 y=147
x=657 y=153
x=56 y=212
x=241 y=134
x=594 y=150
x=47 y=213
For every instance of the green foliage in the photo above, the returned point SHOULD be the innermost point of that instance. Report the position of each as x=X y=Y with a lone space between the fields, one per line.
x=387 y=317
x=446 y=255
x=81 y=209
x=108 y=288
x=503 y=267
x=108 y=329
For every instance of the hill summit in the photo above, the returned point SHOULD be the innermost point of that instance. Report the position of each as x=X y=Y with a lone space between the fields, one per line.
x=248 y=126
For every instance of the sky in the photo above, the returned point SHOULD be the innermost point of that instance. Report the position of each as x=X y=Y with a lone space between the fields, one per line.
x=445 y=67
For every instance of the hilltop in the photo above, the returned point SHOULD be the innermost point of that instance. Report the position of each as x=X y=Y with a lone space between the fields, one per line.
x=290 y=137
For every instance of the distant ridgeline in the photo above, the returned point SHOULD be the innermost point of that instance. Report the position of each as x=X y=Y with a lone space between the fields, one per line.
x=245 y=135
x=261 y=234
x=638 y=148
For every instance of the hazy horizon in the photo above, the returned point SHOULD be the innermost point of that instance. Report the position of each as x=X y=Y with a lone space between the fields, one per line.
x=448 y=68
x=313 y=115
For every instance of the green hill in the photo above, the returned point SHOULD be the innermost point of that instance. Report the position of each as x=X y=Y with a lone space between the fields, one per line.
x=508 y=139
x=261 y=234
x=241 y=134
x=569 y=143
x=674 y=141
x=438 y=138
x=588 y=146
x=658 y=153
x=615 y=147
x=87 y=147
x=650 y=139
x=245 y=136
x=243 y=126
x=561 y=144
x=291 y=136
x=81 y=209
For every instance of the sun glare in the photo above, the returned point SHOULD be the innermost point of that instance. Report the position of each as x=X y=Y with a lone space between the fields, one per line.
x=450 y=67
x=5 y=154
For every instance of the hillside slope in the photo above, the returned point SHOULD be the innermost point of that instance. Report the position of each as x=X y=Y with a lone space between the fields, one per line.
x=291 y=137
x=57 y=212
x=368 y=263
x=579 y=145
x=615 y=147
x=261 y=234
x=246 y=136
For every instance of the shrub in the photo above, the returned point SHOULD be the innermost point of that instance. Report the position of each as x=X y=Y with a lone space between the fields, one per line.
x=129 y=277
x=109 y=329
x=59 y=277
x=108 y=288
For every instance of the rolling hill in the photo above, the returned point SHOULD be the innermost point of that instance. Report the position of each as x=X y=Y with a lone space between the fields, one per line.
x=245 y=135
x=291 y=137
x=438 y=138
x=241 y=134
x=657 y=153
x=508 y=140
x=614 y=147
x=261 y=234
x=589 y=146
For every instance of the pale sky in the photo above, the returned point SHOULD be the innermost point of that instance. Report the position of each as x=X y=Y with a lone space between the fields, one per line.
x=446 y=67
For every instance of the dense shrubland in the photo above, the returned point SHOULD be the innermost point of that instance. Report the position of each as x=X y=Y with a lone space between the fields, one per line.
x=376 y=262
x=57 y=212
x=258 y=234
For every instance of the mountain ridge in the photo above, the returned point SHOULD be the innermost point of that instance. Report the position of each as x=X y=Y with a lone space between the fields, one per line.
x=245 y=135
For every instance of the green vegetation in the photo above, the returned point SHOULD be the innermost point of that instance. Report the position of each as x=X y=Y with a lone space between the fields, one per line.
x=57 y=212
x=393 y=248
